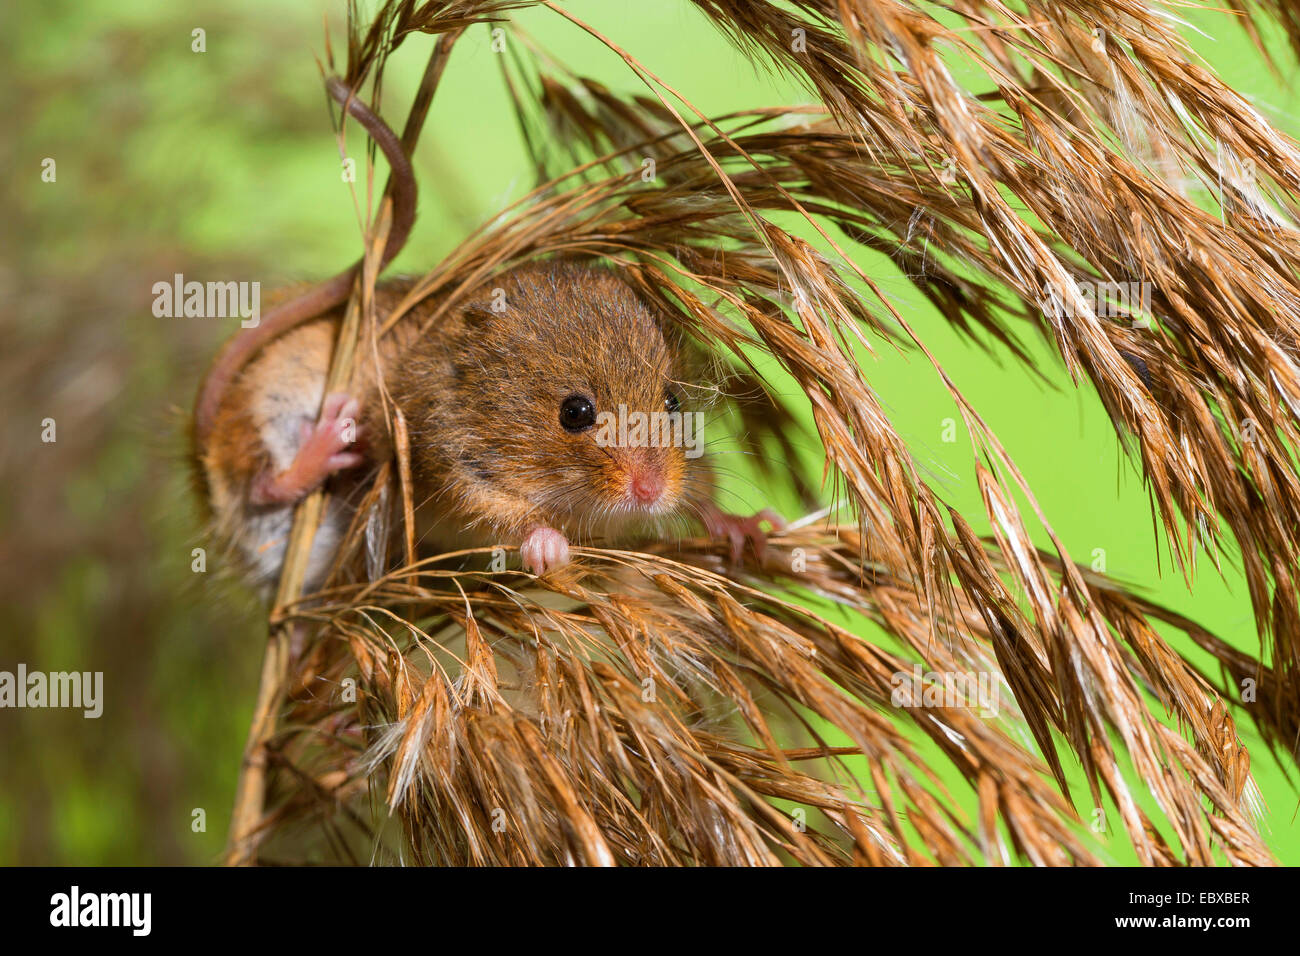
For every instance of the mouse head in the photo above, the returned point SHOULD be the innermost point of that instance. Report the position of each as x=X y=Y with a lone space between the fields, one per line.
x=571 y=399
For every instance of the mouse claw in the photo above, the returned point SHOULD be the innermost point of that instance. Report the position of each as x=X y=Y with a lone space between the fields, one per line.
x=739 y=529
x=544 y=549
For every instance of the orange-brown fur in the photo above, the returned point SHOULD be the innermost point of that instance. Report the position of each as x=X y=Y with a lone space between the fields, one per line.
x=480 y=392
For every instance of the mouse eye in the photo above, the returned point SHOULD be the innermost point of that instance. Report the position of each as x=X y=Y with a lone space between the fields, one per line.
x=577 y=413
x=671 y=402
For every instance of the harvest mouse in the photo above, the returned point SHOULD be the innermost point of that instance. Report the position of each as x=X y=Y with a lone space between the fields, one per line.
x=517 y=403
x=501 y=399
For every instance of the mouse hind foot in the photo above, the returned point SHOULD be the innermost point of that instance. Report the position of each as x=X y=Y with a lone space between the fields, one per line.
x=741 y=530
x=322 y=451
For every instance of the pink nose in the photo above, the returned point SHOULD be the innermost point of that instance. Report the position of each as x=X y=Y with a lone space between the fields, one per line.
x=646 y=486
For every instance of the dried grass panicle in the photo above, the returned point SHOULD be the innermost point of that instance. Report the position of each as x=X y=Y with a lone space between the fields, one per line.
x=663 y=707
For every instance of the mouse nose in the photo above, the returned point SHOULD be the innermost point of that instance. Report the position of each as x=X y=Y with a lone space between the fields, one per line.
x=645 y=485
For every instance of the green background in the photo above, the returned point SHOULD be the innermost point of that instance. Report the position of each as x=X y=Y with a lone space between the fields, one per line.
x=223 y=165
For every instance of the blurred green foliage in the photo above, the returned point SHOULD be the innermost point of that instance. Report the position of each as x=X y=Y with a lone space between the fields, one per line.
x=222 y=164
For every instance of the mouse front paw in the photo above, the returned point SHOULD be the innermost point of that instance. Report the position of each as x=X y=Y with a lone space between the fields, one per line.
x=544 y=549
x=322 y=450
x=739 y=529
